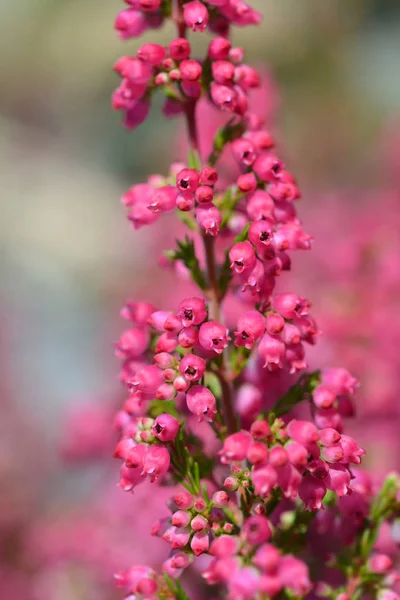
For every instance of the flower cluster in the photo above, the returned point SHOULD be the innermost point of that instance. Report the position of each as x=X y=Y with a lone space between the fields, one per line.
x=210 y=392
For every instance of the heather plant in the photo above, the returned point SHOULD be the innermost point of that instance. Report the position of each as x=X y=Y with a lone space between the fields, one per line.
x=271 y=503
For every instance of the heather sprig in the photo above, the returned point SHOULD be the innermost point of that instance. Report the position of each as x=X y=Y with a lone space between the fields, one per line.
x=277 y=485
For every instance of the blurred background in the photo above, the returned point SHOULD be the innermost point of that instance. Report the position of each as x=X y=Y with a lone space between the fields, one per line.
x=69 y=260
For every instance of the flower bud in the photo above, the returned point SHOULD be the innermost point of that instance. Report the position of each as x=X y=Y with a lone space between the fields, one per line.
x=153 y=54
x=200 y=543
x=219 y=48
x=195 y=15
x=179 y=49
x=199 y=523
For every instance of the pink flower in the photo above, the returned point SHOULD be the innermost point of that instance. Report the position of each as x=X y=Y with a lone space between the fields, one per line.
x=200 y=543
x=289 y=480
x=165 y=391
x=248 y=402
x=178 y=537
x=297 y=453
x=192 y=367
x=324 y=396
x=303 y=432
x=338 y=479
x=163 y=199
x=312 y=492
x=243 y=584
x=242 y=148
x=352 y=452
x=385 y=594
x=180 y=518
x=257 y=530
x=164 y=360
x=146 y=381
x=264 y=480
x=188 y=337
x=224 y=97
x=224 y=546
x=192 y=311
x=137 y=579
x=260 y=206
x=130 y=23
x=332 y=454
x=293 y=574
x=130 y=478
x=190 y=70
x=165 y=427
x=179 y=49
x=219 y=48
x=137 y=312
x=208 y=176
x=201 y=402
x=220 y=499
x=153 y=54
x=195 y=15
x=329 y=436
x=257 y=453
x=199 y=523
x=213 y=336
x=260 y=429
x=188 y=180
x=204 y=194
x=149 y=5
x=272 y=350
x=340 y=381
x=242 y=257
x=235 y=447
x=380 y=563
x=267 y=558
x=261 y=234
x=290 y=306
x=270 y=585
x=183 y=500
x=209 y=218
x=167 y=342
x=247 y=183
x=133 y=342
x=267 y=167
x=156 y=462
x=250 y=327
x=278 y=456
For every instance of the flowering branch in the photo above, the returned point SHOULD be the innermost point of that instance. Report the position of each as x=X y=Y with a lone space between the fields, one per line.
x=262 y=503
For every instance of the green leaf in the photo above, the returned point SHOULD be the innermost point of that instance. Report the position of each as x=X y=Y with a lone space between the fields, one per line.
x=231 y=131
x=161 y=407
x=189 y=222
x=212 y=382
x=175 y=587
x=186 y=253
x=242 y=235
x=296 y=394
x=194 y=161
